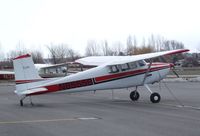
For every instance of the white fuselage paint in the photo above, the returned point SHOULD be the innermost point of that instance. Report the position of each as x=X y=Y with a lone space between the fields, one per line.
x=156 y=75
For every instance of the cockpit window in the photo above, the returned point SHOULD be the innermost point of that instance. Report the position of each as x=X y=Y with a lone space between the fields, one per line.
x=113 y=69
x=141 y=63
x=133 y=65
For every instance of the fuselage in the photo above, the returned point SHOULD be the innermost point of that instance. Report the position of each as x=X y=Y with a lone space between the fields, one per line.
x=106 y=77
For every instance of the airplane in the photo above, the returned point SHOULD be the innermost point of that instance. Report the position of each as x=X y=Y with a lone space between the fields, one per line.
x=44 y=70
x=111 y=72
x=52 y=70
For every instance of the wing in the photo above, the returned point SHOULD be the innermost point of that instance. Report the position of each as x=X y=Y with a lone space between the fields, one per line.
x=114 y=60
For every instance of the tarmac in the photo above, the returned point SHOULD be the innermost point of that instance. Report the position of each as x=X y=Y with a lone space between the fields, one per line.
x=103 y=113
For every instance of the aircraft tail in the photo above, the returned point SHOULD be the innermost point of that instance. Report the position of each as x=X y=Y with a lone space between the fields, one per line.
x=25 y=72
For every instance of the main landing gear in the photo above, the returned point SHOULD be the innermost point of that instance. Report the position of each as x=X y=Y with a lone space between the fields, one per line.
x=134 y=95
x=154 y=97
x=22 y=103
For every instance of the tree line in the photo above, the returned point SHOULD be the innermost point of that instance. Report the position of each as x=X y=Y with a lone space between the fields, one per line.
x=132 y=47
x=60 y=53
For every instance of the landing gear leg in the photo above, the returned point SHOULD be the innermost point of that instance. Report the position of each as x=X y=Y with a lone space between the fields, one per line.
x=134 y=95
x=31 y=101
x=154 y=97
x=21 y=103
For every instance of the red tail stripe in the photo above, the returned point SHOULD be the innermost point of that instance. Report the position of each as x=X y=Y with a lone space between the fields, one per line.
x=22 y=56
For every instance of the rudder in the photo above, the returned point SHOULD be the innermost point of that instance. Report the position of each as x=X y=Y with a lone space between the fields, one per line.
x=24 y=68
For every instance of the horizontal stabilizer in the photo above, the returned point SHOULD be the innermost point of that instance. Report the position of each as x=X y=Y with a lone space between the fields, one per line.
x=32 y=91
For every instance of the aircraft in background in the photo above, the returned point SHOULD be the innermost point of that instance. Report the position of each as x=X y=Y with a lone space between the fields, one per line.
x=52 y=70
x=112 y=72
x=44 y=70
x=6 y=75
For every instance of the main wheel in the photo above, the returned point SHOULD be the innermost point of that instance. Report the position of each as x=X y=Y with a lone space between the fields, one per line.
x=134 y=95
x=155 y=98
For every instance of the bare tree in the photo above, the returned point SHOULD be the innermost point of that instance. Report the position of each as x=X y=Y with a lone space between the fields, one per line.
x=152 y=42
x=172 y=45
x=58 y=53
x=159 y=43
x=62 y=53
x=131 y=45
x=106 y=49
x=18 y=51
x=37 y=56
x=92 y=49
x=72 y=55
x=118 y=49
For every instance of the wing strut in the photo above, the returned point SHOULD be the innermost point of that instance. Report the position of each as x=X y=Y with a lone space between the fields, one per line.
x=147 y=71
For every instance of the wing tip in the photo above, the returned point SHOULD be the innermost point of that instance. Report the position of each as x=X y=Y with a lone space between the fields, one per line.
x=178 y=51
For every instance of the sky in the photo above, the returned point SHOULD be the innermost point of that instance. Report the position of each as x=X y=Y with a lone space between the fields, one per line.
x=37 y=23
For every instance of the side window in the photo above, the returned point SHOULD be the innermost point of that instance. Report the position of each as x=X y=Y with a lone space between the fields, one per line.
x=113 y=69
x=124 y=67
x=133 y=65
x=141 y=63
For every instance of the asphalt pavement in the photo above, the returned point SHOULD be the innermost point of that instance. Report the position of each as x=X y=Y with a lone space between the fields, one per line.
x=103 y=113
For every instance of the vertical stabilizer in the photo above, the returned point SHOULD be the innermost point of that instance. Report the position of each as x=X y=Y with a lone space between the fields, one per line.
x=24 y=69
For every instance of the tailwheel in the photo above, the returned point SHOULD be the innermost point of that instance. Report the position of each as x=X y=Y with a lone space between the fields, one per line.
x=134 y=95
x=155 y=98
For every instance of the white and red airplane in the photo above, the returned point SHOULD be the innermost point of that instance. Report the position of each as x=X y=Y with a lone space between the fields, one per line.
x=112 y=72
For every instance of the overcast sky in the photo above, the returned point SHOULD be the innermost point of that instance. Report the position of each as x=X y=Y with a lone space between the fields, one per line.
x=74 y=22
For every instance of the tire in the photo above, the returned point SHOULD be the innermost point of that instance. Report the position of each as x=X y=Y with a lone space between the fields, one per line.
x=155 y=97
x=134 y=95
